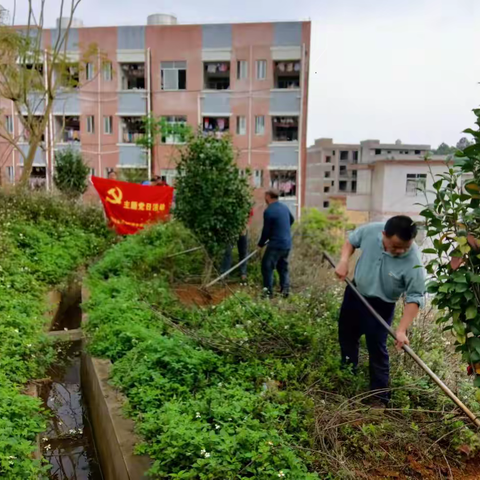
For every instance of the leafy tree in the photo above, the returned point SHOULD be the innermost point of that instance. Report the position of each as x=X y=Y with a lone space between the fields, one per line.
x=444 y=149
x=453 y=224
x=158 y=130
x=33 y=74
x=71 y=173
x=463 y=143
x=212 y=199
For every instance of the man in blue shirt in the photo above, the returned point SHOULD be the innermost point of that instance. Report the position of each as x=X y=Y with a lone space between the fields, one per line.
x=277 y=221
x=386 y=270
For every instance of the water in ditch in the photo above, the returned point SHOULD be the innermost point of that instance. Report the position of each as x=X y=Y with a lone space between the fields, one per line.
x=68 y=442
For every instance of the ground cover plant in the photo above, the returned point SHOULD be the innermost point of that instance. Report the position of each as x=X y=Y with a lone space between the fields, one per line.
x=42 y=241
x=254 y=389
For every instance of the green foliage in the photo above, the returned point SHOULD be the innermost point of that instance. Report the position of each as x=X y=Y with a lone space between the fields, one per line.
x=251 y=388
x=71 y=173
x=453 y=225
x=322 y=232
x=157 y=129
x=42 y=240
x=134 y=175
x=213 y=200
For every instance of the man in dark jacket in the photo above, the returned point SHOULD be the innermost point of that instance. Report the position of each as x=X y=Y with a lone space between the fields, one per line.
x=277 y=221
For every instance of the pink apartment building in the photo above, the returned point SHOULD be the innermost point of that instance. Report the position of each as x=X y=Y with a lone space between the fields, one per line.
x=250 y=80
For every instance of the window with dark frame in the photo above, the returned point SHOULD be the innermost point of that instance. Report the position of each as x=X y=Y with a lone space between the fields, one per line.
x=173 y=75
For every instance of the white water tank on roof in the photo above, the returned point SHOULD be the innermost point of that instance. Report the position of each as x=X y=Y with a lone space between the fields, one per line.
x=161 y=19
x=63 y=23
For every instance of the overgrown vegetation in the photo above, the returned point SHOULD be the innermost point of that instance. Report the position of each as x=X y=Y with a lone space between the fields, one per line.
x=71 y=173
x=42 y=240
x=254 y=389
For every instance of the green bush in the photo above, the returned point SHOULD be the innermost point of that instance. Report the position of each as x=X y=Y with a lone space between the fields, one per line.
x=71 y=173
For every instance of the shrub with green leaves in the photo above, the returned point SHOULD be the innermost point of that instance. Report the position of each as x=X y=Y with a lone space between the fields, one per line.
x=453 y=224
x=212 y=198
x=71 y=172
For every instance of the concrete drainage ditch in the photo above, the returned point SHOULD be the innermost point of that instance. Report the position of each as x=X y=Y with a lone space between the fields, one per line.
x=87 y=437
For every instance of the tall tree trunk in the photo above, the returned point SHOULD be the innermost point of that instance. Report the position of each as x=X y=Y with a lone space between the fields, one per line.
x=28 y=163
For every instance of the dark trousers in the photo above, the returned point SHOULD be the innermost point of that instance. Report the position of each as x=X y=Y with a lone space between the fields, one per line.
x=242 y=245
x=355 y=321
x=275 y=259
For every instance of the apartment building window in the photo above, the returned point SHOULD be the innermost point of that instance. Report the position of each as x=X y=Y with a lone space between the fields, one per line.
x=258 y=178
x=67 y=129
x=9 y=123
x=169 y=175
x=418 y=152
x=287 y=74
x=241 y=125
x=415 y=182
x=176 y=129
x=107 y=71
x=326 y=204
x=216 y=124
x=132 y=76
x=261 y=69
x=328 y=174
x=285 y=129
x=216 y=75
x=108 y=125
x=342 y=186
x=285 y=181
x=354 y=173
x=10 y=175
x=242 y=70
x=355 y=156
x=333 y=152
x=378 y=151
x=343 y=154
x=328 y=159
x=326 y=189
x=68 y=75
x=343 y=171
x=131 y=129
x=90 y=124
x=354 y=187
x=90 y=70
x=260 y=125
x=174 y=75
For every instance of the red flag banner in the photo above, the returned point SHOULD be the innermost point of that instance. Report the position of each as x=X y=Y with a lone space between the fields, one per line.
x=130 y=207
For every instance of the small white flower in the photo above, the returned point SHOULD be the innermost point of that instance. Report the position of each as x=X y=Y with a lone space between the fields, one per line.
x=16 y=330
x=270 y=443
x=217 y=427
x=203 y=451
x=29 y=345
x=72 y=431
x=198 y=415
x=60 y=423
x=80 y=431
x=45 y=439
x=281 y=474
x=220 y=384
x=48 y=447
x=11 y=457
x=207 y=455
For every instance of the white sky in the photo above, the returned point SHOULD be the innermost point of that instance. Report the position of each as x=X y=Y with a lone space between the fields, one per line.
x=383 y=69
